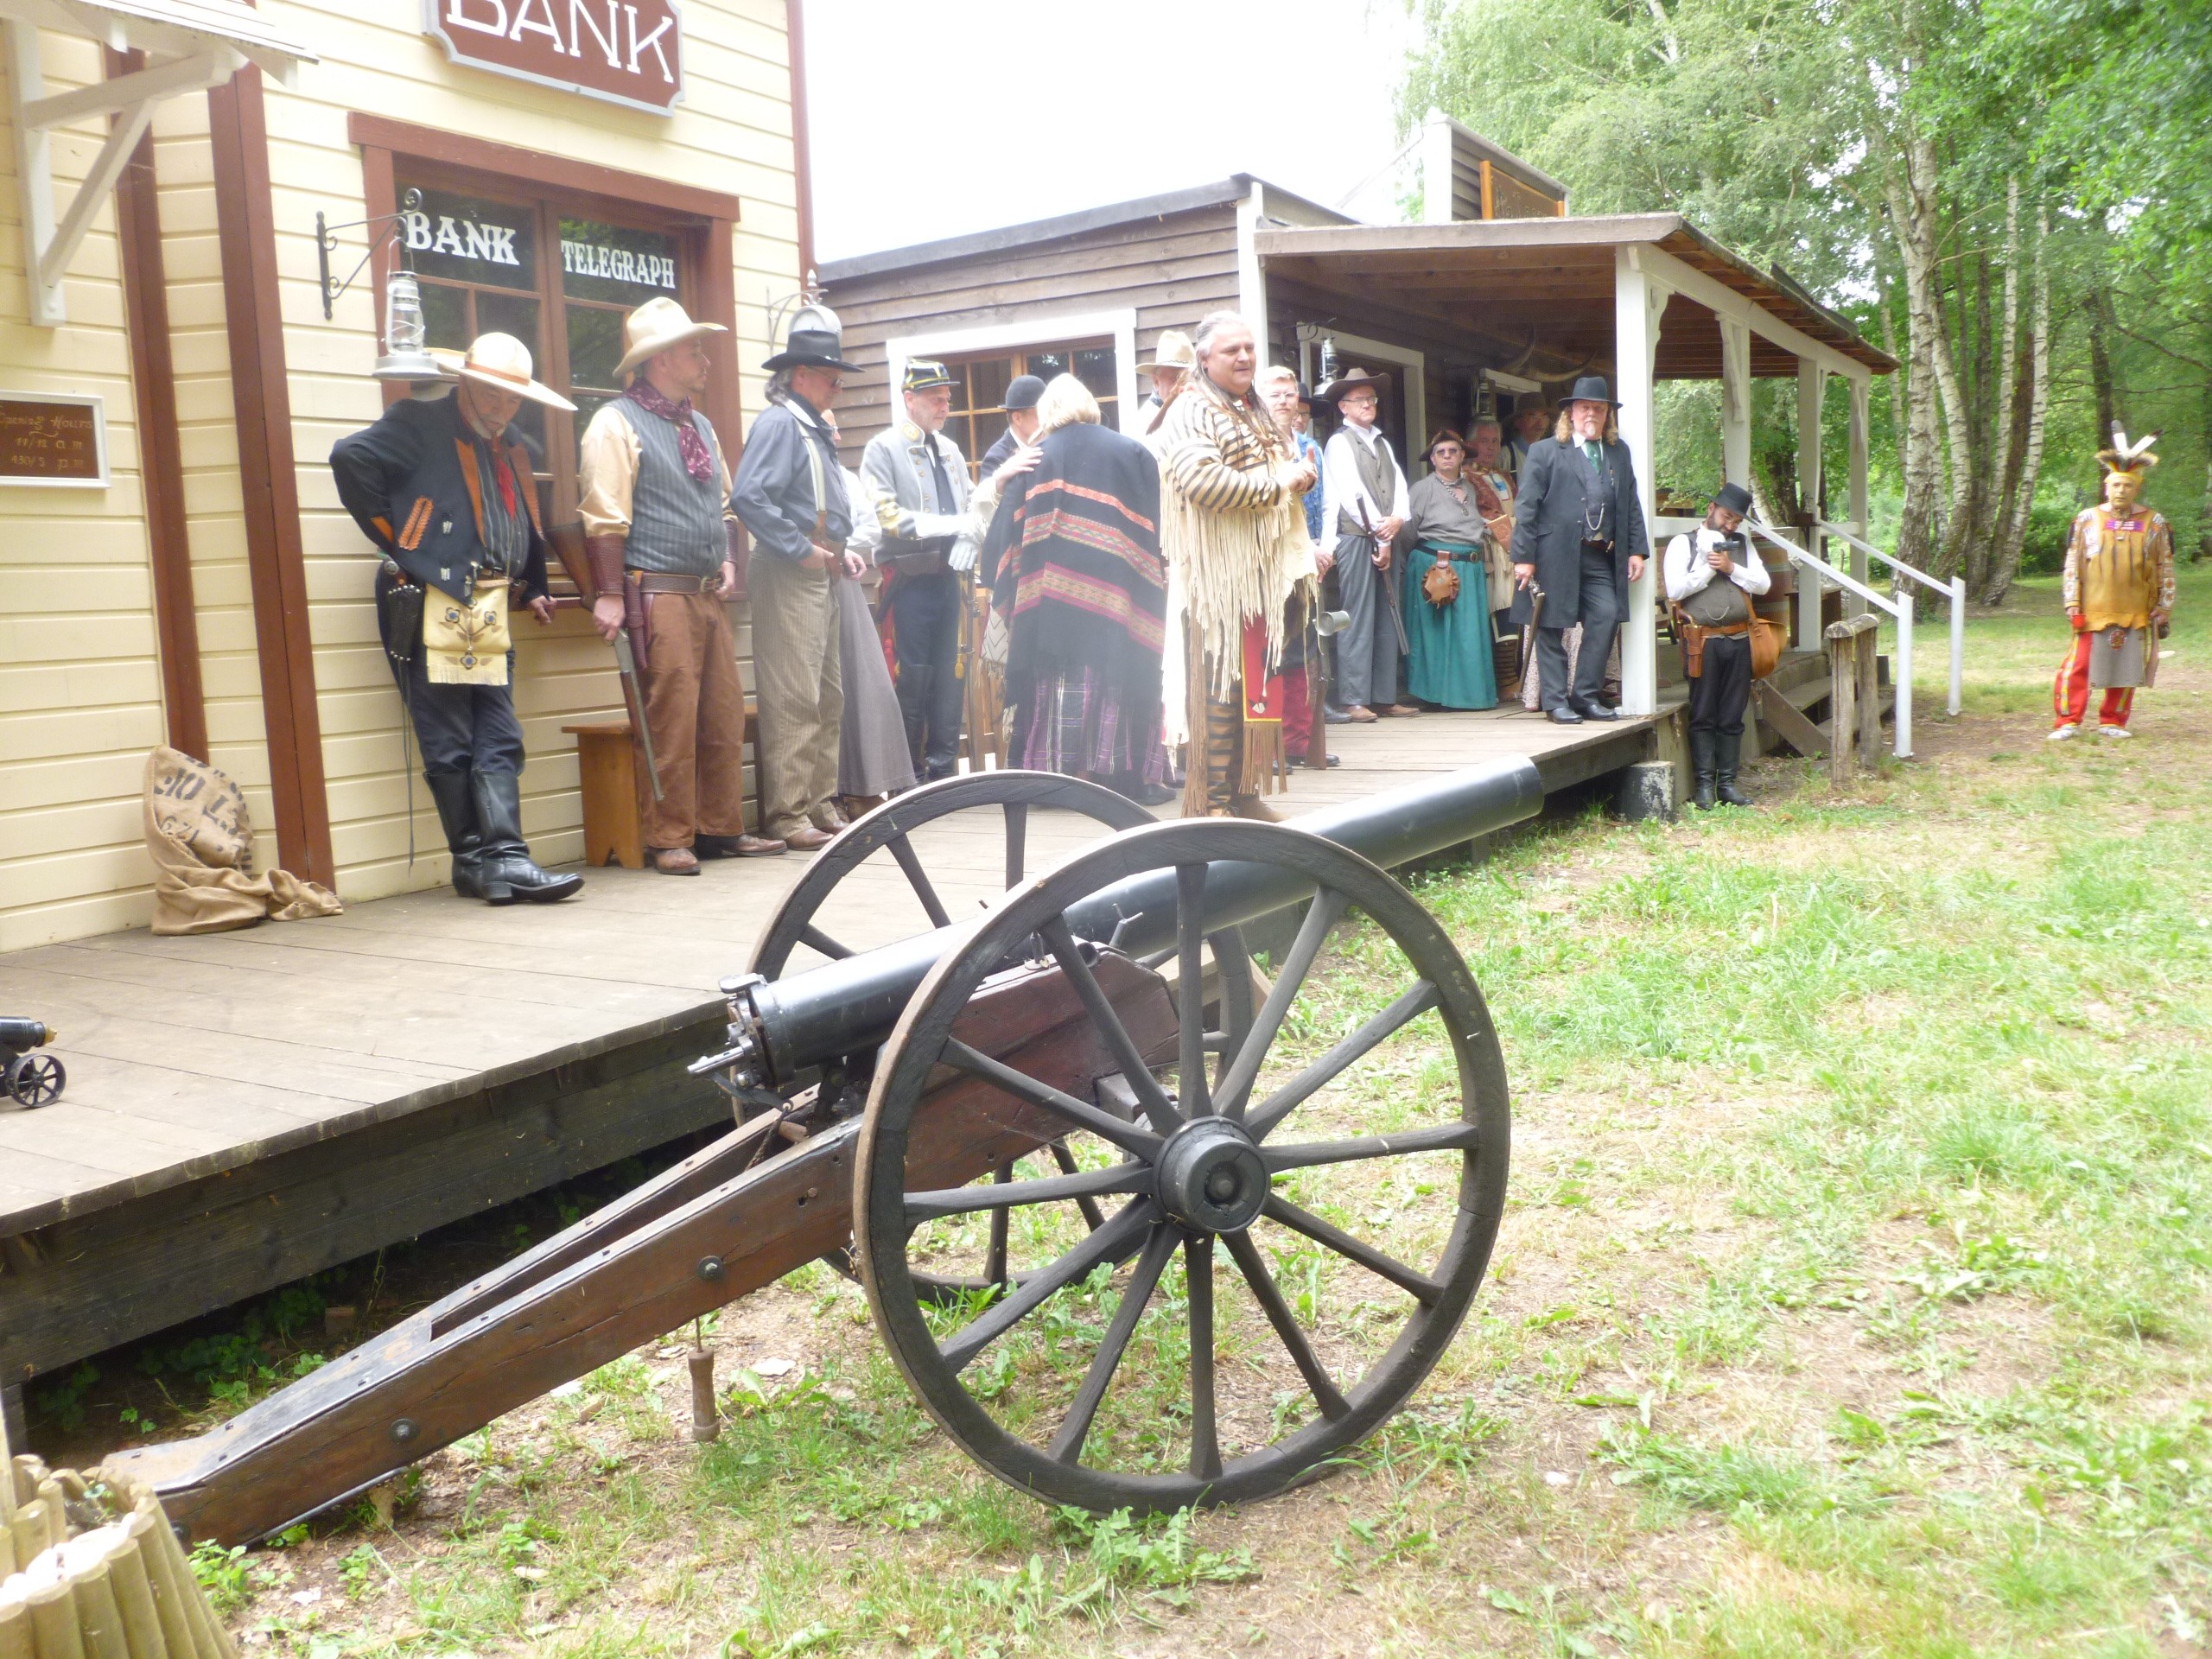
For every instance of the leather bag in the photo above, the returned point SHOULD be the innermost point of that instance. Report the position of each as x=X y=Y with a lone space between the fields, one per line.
x=1441 y=586
x=1766 y=646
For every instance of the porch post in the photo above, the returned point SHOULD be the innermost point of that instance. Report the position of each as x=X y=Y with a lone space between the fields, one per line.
x=1736 y=401
x=1638 y=303
x=1861 y=386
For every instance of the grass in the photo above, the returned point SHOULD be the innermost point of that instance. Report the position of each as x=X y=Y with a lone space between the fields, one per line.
x=1851 y=1297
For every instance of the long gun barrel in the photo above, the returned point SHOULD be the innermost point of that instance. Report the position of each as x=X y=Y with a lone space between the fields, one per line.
x=849 y=1006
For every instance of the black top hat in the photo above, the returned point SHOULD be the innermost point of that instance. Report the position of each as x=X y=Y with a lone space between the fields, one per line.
x=1023 y=391
x=1734 y=498
x=1590 y=389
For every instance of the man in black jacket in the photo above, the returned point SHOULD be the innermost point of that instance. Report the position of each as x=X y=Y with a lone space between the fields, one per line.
x=1578 y=536
x=443 y=488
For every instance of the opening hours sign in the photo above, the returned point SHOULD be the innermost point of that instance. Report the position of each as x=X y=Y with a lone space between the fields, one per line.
x=624 y=51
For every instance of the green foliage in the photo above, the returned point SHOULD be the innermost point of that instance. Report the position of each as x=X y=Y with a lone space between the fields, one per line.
x=223 y=1575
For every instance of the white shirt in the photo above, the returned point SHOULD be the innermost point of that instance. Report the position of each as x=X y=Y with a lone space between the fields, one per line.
x=1341 y=488
x=1688 y=573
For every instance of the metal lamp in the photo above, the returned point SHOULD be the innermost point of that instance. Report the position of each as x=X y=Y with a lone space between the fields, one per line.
x=406 y=356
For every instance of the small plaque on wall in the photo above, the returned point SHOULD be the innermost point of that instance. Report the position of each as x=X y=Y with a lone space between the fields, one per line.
x=53 y=440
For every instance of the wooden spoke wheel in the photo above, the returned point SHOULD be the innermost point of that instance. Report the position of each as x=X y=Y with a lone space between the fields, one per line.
x=1119 y=1363
x=35 y=1079
x=888 y=827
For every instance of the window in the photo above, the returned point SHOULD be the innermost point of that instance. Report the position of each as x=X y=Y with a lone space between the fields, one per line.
x=560 y=280
x=979 y=384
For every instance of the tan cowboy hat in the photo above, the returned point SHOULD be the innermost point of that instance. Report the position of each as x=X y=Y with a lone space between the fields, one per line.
x=1351 y=380
x=1174 y=351
x=655 y=327
x=501 y=361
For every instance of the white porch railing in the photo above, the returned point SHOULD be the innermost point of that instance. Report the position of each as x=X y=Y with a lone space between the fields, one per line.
x=1956 y=589
x=1898 y=610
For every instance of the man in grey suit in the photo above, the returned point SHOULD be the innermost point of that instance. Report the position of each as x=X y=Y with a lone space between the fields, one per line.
x=1579 y=537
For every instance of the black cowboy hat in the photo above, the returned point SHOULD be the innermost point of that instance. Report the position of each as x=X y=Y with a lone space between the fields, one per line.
x=816 y=341
x=1734 y=498
x=1590 y=388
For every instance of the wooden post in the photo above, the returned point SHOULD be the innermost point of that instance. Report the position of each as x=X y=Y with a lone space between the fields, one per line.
x=1637 y=303
x=1854 y=720
x=706 y=1417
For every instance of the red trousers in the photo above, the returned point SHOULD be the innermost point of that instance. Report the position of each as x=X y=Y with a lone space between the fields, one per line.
x=1297 y=711
x=2069 y=690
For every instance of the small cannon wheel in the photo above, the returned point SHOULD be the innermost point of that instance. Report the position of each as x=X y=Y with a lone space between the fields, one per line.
x=887 y=827
x=1109 y=1374
x=35 y=1079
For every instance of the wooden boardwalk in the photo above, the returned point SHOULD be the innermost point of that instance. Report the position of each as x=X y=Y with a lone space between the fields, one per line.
x=243 y=1108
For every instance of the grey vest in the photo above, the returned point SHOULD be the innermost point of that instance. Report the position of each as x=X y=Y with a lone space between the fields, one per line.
x=1597 y=490
x=675 y=520
x=1373 y=462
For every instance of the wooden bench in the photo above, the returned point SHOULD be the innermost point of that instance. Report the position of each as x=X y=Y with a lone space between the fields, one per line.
x=615 y=789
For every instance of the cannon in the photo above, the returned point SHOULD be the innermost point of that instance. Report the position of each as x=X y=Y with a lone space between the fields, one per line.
x=30 y=1079
x=1032 y=1134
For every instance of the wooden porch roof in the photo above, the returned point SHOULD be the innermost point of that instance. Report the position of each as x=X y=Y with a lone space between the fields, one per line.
x=1546 y=286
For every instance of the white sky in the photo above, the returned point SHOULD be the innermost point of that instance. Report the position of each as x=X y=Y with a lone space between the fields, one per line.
x=936 y=117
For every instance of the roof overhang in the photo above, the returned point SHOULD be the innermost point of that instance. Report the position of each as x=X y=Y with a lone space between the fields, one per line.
x=1552 y=283
x=190 y=45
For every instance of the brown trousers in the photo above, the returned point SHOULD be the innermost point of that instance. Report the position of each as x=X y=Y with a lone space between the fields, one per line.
x=798 y=676
x=696 y=708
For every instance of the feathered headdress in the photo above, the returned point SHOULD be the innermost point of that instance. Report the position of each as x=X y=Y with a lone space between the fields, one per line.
x=2125 y=457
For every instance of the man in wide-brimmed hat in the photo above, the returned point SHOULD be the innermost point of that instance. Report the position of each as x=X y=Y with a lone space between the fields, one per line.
x=1170 y=365
x=788 y=494
x=662 y=544
x=1578 y=536
x=443 y=488
x=1711 y=576
x=930 y=539
x=1364 y=506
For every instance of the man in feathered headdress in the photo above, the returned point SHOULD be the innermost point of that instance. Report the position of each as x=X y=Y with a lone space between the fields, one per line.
x=2119 y=588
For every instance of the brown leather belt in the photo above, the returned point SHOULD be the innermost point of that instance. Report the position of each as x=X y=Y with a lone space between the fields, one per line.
x=664 y=581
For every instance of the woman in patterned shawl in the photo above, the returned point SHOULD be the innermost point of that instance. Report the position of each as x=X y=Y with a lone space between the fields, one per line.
x=1074 y=555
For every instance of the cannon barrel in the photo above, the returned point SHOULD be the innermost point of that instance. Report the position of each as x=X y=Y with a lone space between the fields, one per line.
x=23 y=1034
x=849 y=1006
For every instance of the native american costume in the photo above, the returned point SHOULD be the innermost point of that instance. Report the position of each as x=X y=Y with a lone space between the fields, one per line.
x=1233 y=532
x=1075 y=547
x=2119 y=588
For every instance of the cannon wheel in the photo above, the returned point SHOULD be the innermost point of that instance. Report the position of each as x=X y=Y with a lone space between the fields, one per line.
x=1198 y=1169
x=1014 y=793
x=35 y=1079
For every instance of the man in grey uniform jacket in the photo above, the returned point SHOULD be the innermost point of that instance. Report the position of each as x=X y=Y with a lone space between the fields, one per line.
x=1579 y=535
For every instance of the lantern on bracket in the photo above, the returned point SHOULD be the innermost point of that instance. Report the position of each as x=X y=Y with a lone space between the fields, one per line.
x=406 y=347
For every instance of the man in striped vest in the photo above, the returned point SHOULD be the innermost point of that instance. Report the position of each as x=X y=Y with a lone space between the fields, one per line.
x=661 y=542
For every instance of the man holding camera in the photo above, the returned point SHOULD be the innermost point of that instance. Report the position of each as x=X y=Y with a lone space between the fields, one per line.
x=1712 y=577
x=921 y=486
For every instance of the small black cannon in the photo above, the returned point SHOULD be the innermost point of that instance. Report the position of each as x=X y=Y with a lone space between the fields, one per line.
x=31 y=1079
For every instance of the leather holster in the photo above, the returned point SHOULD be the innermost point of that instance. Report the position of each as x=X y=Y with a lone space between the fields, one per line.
x=607 y=576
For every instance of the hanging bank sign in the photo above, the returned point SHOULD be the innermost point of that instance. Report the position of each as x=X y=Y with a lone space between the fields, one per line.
x=624 y=51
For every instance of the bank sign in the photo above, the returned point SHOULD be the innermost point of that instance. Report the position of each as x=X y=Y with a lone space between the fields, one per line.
x=624 y=51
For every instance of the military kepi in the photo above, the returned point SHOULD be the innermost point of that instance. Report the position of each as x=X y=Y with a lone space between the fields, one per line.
x=925 y=374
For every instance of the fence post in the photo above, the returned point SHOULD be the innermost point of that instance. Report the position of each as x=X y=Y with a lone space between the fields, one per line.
x=1843 y=693
x=1958 y=640
x=1905 y=677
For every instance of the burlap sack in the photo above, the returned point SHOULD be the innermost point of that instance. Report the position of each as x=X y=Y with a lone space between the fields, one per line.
x=201 y=843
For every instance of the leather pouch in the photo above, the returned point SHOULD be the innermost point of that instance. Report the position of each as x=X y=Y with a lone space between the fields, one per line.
x=467 y=643
x=1441 y=586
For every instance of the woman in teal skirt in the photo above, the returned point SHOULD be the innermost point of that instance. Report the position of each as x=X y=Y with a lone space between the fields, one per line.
x=1451 y=661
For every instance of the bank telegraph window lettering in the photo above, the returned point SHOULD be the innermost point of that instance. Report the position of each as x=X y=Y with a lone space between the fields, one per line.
x=558 y=279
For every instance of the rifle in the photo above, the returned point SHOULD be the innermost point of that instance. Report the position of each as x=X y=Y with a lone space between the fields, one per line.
x=568 y=541
x=1389 y=585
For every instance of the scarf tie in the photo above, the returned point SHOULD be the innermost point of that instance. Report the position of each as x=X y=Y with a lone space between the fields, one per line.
x=698 y=461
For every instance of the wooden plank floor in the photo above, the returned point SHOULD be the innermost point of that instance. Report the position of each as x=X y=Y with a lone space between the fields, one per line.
x=190 y=1057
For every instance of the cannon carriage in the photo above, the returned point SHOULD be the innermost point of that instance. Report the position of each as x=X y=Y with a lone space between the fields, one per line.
x=1110 y=1189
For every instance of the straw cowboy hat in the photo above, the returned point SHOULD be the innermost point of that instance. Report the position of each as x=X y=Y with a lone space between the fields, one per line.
x=1174 y=351
x=1351 y=381
x=502 y=362
x=656 y=326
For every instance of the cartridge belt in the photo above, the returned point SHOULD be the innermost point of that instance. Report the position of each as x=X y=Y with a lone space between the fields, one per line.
x=664 y=581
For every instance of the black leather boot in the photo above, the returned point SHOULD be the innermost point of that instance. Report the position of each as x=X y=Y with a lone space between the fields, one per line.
x=505 y=867
x=457 y=816
x=1701 y=765
x=1728 y=753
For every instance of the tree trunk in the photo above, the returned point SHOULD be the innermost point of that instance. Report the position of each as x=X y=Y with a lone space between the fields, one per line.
x=1913 y=392
x=2006 y=564
x=2204 y=513
x=1912 y=212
